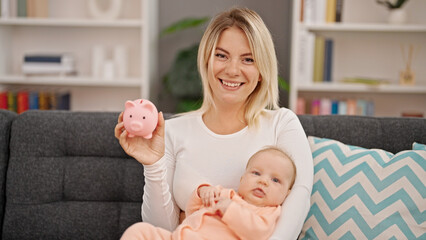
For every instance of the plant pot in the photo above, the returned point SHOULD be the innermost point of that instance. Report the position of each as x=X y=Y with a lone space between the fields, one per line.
x=397 y=16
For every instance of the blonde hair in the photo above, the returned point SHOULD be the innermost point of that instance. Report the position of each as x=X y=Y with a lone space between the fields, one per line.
x=265 y=95
x=283 y=154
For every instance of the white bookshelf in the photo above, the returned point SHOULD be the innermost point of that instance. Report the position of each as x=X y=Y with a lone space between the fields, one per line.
x=367 y=47
x=70 y=29
x=364 y=27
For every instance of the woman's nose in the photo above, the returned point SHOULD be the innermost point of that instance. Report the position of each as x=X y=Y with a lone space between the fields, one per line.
x=233 y=68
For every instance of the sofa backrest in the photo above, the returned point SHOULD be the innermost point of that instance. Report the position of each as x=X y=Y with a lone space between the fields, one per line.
x=392 y=134
x=68 y=178
x=6 y=118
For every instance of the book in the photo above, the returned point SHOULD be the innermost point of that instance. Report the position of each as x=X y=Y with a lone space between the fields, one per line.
x=309 y=11
x=300 y=106
x=63 y=101
x=328 y=60
x=321 y=9
x=315 y=107
x=339 y=10
x=363 y=80
x=306 y=57
x=22 y=102
x=318 y=67
x=370 y=108
x=5 y=8
x=334 y=107
x=325 y=106
x=37 y=8
x=361 y=107
x=49 y=58
x=42 y=8
x=46 y=68
x=331 y=11
x=48 y=64
x=342 y=108
x=351 y=107
x=21 y=8
x=33 y=100
x=3 y=100
x=11 y=101
x=43 y=101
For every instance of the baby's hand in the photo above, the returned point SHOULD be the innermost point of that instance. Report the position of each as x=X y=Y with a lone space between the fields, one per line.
x=208 y=195
x=222 y=204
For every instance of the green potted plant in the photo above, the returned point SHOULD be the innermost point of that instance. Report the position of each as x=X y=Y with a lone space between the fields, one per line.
x=397 y=14
x=183 y=80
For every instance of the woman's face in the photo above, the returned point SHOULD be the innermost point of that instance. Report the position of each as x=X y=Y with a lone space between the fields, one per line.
x=235 y=74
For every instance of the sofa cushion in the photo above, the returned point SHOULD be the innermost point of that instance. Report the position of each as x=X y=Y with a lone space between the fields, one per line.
x=392 y=134
x=69 y=178
x=363 y=193
x=6 y=118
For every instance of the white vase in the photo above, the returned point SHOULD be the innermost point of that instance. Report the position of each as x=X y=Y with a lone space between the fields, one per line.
x=397 y=16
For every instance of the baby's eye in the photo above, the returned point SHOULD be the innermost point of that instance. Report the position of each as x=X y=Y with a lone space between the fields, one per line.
x=256 y=173
x=276 y=180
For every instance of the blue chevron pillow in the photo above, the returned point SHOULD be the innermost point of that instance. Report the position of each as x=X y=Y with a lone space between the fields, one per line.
x=419 y=146
x=363 y=193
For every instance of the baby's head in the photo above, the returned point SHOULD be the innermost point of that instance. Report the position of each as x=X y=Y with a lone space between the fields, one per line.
x=268 y=179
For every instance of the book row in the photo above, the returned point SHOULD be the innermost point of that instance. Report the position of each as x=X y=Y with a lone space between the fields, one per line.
x=321 y=11
x=21 y=101
x=326 y=106
x=24 y=8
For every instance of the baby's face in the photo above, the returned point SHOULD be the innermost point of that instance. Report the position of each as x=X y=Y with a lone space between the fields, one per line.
x=267 y=179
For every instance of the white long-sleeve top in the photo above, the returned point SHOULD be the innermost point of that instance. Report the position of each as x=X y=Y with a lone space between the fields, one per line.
x=195 y=155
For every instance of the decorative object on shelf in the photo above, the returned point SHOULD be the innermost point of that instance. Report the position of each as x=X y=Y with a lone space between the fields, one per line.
x=98 y=57
x=98 y=10
x=397 y=14
x=406 y=77
x=109 y=68
x=121 y=60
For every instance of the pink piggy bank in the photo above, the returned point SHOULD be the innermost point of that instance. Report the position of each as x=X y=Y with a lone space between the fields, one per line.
x=140 y=118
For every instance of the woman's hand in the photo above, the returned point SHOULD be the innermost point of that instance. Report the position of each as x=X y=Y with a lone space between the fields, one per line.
x=145 y=151
x=208 y=195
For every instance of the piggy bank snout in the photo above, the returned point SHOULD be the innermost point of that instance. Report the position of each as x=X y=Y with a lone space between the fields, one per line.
x=136 y=126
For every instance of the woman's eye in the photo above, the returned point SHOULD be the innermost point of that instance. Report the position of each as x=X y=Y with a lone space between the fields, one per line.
x=219 y=55
x=248 y=60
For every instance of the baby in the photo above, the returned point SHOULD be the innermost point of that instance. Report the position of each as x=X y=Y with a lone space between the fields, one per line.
x=218 y=213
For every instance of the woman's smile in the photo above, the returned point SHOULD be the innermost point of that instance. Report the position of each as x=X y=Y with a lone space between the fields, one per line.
x=230 y=84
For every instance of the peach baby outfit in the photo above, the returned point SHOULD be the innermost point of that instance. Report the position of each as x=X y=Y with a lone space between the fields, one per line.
x=240 y=221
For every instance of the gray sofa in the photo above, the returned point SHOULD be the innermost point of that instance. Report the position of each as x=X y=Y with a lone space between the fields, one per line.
x=64 y=176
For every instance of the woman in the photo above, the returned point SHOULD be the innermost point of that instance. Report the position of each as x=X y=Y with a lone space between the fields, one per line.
x=238 y=67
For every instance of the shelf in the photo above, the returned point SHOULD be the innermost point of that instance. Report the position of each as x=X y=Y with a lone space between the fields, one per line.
x=63 y=22
x=353 y=27
x=347 y=87
x=68 y=81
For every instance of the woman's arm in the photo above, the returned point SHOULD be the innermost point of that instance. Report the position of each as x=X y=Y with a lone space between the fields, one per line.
x=158 y=206
x=292 y=139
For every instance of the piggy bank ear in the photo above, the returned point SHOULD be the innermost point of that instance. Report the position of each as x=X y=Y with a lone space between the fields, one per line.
x=150 y=107
x=129 y=104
